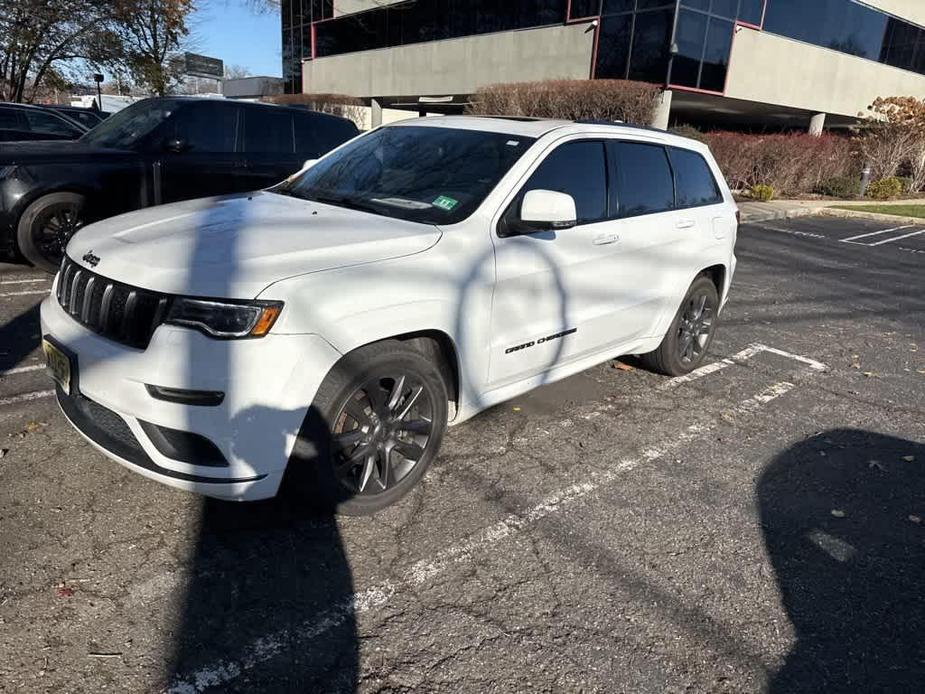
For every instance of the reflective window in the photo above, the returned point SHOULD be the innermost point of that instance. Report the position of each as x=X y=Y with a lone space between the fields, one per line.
x=690 y=37
x=203 y=127
x=48 y=123
x=644 y=181
x=584 y=8
x=12 y=119
x=318 y=134
x=750 y=11
x=851 y=28
x=716 y=55
x=651 y=40
x=268 y=130
x=693 y=178
x=613 y=47
x=578 y=169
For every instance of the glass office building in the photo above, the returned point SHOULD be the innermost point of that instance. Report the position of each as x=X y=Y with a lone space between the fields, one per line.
x=684 y=44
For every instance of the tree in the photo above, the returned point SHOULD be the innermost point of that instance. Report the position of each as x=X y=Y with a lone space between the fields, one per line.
x=150 y=33
x=40 y=37
x=893 y=140
x=236 y=72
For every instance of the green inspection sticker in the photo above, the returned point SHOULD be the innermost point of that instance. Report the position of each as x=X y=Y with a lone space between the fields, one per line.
x=445 y=203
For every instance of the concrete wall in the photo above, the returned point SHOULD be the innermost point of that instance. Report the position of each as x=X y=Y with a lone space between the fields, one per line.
x=911 y=10
x=775 y=70
x=351 y=6
x=455 y=66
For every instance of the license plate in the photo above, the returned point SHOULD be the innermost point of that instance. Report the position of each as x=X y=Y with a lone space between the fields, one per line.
x=57 y=364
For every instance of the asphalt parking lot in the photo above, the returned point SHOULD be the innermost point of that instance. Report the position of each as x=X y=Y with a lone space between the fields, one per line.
x=757 y=526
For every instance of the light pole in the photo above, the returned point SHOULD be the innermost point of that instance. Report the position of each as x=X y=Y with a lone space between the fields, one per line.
x=98 y=78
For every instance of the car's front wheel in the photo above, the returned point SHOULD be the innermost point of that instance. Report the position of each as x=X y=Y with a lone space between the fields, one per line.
x=47 y=225
x=373 y=430
x=688 y=338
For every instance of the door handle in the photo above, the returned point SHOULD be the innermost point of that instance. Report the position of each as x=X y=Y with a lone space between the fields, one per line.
x=685 y=224
x=604 y=239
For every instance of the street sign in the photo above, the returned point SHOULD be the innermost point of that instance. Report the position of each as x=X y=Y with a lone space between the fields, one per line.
x=197 y=65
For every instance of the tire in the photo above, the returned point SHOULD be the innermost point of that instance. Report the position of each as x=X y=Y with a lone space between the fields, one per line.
x=676 y=356
x=46 y=226
x=356 y=419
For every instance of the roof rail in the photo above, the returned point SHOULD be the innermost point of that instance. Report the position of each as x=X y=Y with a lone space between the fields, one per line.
x=620 y=123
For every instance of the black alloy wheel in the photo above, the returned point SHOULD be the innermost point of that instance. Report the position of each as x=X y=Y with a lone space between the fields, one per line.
x=691 y=332
x=696 y=326
x=47 y=225
x=374 y=428
x=381 y=433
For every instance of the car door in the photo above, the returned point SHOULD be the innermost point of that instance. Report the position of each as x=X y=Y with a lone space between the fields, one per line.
x=196 y=152
x=269 y=146
x=552 y=298
x=654 y=235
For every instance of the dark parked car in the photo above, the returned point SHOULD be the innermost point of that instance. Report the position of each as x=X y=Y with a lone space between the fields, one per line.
x=26 y=122
x=87 y=117
x=155 y=151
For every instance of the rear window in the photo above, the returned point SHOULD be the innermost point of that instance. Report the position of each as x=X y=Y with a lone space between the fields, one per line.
x=644 y=181
x=268 y=130
x=695 y=182
x=316 y=135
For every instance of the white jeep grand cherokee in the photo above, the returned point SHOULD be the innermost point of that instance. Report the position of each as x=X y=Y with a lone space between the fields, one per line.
x=328 y=329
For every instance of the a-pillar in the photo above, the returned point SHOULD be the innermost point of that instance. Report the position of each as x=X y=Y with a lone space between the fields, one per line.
x=662 y=111
x=375 y=116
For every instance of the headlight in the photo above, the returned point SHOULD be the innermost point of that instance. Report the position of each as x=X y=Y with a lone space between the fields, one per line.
x=224 y=319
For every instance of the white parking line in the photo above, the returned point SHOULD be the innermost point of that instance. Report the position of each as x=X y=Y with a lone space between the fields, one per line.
x=744 y=355
x=267 y=647
x=853 y=239
x=21 y=370
x=25 y=397
x=29 y=293
x=42 y=279
x=791 y=232
x=898 y=238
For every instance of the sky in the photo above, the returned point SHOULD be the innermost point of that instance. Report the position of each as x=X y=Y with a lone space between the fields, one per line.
x=231 y=31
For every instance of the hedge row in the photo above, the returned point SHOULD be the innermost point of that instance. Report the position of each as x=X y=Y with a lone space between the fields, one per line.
x=791 y=164
x=627 y=101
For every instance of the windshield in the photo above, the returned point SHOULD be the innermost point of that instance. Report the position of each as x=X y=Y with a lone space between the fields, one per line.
x=125 y=128
x=423 y=174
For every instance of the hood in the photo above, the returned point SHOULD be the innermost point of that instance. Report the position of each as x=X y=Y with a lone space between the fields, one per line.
x=234 y=247
x=39 y=151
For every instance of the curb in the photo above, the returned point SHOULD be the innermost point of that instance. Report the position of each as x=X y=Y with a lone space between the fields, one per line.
x=757 y=218
x=875 y=216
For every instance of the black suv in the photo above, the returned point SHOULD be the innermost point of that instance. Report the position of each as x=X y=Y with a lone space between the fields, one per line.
x=27 y=122
x=155 y=151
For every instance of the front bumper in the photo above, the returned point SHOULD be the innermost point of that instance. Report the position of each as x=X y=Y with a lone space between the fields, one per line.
x=269 y=384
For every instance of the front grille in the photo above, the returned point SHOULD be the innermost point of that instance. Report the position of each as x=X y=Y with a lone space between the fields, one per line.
x=117 y=311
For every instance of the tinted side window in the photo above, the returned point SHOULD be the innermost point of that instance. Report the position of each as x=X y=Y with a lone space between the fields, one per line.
x=695 y=182
x=12 y=119
x=204 y=127
x=644 y=181
x=268 y=130
x=579 y=169
x=317 y=135
x=41 y=122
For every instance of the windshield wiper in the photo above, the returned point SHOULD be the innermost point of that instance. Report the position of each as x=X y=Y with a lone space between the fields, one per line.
x=342 y=201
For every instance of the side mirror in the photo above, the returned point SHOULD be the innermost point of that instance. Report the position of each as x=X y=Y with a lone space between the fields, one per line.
x=548 y=209
x=176 y=145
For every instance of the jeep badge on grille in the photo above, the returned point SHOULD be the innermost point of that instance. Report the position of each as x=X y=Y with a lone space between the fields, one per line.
x=90 y=259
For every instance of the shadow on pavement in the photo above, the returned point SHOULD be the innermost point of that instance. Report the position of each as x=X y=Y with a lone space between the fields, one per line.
x=19 y=337
x=839 y=517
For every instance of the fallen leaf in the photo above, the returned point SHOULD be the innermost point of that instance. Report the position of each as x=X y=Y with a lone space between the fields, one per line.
x=909 y=458
x=622 y=367
x=63 y=591
x=915 y=519
x=870 y=374
x=855 y=361
x=838 y=513
x=516 y=409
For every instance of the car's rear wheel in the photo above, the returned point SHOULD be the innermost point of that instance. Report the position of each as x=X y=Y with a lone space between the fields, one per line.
x=47 y=225
x=691 y=332
x=373 y=430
